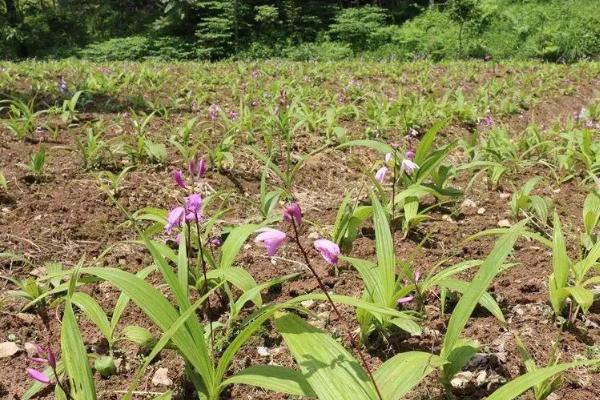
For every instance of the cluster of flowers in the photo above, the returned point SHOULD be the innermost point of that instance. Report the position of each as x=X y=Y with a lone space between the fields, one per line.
x=583 y=117
x=407 y=165
x=50 y=361
x=273 y=239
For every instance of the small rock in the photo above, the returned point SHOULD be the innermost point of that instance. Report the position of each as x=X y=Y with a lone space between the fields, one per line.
x=38 y=272
x=161 y=377
x=308 y=304
x=448 y=218
x=468 y=203
x=5 y=210
x=31 y=349
x=481 y=378
x=480 y=210
x=27 y=318
x=504 y=223
x=504 y=195
x=8 y=349
x=314 y=235
x=263 y=351
x=461 y=380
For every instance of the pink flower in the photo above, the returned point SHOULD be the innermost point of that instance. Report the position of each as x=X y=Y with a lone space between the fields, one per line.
x=38 y=376
x=213 y=112
x=193 y=206
x=293 y=212
x=198 y=166
x=175 y=218
x=408 y=166
x=271 y=239
x=380 y=174
x=410 y=155
x=487 y=121
x=51 y=361
x=233 y=115
x=417 y=275
x=178 y=178
x=404 y=300
x=329 y=250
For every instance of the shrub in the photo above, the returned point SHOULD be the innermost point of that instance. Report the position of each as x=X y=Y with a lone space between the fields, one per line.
x=357 y=27
x=136 y=48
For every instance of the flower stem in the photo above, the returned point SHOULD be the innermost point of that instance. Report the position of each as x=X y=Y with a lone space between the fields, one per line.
x=333 y=306
x=206 y=304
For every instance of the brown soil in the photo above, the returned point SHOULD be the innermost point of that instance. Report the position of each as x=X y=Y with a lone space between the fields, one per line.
x=66 y=217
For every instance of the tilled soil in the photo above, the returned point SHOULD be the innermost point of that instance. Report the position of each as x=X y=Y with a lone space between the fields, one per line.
x=67 y=218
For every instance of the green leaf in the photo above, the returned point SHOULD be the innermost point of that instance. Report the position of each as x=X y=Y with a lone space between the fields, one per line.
x=384 y=247
x=162 y=313
x=275 y=378
x=582 y=296
x=478 y=286
x=238 y=277
x=330 y=370
x=94 y=312
x=427 y=141
x=560 y=259
x=232 y=245
x=401 y=373
x=486 y=300
x=75 y=358
x=523 y=383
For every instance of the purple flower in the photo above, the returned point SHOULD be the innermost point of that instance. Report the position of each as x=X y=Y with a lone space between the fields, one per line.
x=293 y=212
x=408 y=166
x=175 y=218
x=62 y=86
x=410 y=155
x=38 y=376
x=198 y=166
x=271 y=239
x=417 y=275
x=51 y=361
x=487 y=121
x=233 y=115
x=329 y=250
x=193 y=205
x=213 y=112
x=214 y=242
x=380 y=174
x=404 y=300
x=178 y=178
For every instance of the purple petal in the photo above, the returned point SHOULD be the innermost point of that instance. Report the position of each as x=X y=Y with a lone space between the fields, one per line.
x=408 y=166
x=51 y=359
x=178 y=178
x=271 y=239
x=293 y=212
x=404 y=300
x=175 y=218
x=198 y=167
x=329 y=250
x=38 y=376
x=193 y=203
x=380 y=174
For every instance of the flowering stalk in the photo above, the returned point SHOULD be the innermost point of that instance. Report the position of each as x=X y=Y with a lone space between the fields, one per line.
x=206 y=304
x=333 y=306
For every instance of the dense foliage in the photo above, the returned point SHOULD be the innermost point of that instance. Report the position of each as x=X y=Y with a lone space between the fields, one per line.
x=553 y=30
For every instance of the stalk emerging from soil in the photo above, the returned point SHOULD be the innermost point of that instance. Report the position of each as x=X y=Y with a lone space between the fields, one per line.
x=353 y=342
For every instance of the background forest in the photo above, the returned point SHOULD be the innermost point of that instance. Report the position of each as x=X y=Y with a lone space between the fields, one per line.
x=554 y=30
